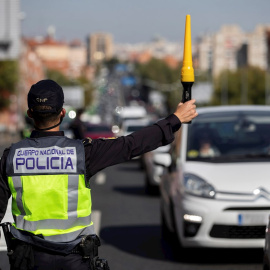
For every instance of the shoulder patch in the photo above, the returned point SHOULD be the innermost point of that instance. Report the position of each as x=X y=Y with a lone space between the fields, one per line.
x=87 y=140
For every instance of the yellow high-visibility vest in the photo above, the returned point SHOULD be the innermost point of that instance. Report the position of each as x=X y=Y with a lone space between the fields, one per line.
x=50 y=197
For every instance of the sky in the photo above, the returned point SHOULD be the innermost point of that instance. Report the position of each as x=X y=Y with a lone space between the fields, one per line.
x=134 y=21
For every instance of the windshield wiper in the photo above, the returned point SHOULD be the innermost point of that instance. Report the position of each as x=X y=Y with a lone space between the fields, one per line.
x=233 y=157
x=249 y=155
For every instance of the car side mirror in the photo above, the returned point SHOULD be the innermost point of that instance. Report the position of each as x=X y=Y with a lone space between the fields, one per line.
x=162 y=159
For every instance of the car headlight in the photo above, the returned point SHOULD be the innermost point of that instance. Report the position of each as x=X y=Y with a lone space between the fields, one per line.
x=195 y=185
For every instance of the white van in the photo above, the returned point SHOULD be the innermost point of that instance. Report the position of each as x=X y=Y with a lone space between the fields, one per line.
x=217 y=189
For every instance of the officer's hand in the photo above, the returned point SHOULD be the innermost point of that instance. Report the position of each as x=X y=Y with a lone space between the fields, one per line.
x=186 y=111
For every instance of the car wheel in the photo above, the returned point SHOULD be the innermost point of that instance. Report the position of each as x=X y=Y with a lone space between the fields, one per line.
x=266 y=265
x=170 y=237
x=180 y=251
x=151 y=189
x=166 y=234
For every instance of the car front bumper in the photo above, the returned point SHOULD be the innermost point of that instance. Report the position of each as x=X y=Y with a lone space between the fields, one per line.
x=224 y=224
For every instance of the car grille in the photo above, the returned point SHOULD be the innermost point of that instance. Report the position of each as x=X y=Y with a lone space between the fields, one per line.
x=238 y=232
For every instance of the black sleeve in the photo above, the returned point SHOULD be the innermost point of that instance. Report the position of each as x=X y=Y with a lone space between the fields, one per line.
x=102 y=153
x=4 y=188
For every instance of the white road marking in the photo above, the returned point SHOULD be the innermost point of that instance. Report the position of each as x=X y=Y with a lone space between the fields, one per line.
x=101 y=178
x=96 y=218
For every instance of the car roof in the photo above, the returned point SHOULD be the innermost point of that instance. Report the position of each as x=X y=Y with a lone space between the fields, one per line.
x=229 y=108
x=96 y=125
x=136 y=122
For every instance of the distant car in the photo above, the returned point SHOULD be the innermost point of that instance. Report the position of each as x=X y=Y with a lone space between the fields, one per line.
x=153 y=171
x=129 y=126
x=65 y=126
x=132 y=113
x=97 y=131
x=216 y=192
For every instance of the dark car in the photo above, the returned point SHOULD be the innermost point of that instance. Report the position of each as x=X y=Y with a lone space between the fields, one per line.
x=96 y=131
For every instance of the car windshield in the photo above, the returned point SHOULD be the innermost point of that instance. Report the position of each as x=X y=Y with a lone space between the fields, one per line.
x=233 y=136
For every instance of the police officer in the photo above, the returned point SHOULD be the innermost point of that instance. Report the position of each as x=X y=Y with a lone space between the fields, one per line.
x=48 y=177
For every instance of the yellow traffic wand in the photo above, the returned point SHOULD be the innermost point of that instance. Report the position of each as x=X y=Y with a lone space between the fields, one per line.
x=187 y=72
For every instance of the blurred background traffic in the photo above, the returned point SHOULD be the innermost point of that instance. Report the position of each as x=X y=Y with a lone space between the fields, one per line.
x=119 y=66
x=103 y=76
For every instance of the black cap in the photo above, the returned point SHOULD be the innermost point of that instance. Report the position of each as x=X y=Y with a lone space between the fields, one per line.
x=47 y=93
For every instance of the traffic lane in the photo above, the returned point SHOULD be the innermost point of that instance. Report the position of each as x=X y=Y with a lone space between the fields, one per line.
x=4 y=264
x=131 y=234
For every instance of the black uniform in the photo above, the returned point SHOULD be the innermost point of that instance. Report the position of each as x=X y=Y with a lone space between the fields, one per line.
x=99 y=154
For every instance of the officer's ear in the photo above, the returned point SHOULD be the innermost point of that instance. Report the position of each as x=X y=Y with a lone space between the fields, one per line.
x=29 y=113
x=63 y=113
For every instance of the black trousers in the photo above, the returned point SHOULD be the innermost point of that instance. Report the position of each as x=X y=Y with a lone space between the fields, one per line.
x=50 y=261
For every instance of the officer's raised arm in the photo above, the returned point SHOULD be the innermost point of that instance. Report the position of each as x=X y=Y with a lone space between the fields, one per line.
x=103 y=153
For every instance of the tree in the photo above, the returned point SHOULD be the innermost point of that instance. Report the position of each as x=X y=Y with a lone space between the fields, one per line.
x=157 y=70
x=60 y=78
x=88 y=90
x=165 y=79
x=8 y=81
x=244 y=86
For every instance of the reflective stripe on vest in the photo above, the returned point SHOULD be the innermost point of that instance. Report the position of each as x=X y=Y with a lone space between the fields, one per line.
x=57 y=206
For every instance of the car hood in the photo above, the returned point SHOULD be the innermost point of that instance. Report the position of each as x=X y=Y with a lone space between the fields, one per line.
x=234 y=177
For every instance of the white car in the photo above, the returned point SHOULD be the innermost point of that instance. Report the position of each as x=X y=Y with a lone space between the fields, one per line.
x=4 y=263
x=153 y=171
x=266 y=257
x=7 y=218
x=217 y=191
x=129 y=126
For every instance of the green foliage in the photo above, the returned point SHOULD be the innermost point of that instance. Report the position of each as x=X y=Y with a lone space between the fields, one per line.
x=110 y=64
x=157 y=70
x=60 y=78
x=173 y=99
x=244 y=86
x=8 y=81
x=88 y=90
x=165 y=77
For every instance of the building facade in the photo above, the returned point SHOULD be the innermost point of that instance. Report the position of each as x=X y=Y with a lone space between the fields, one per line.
x=100 y=48
x=231 y=48
x=258 y=47
x=10 y=29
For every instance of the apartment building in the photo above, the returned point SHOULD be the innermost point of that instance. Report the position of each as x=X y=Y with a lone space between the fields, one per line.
x=231 y=48
x=10 y=30
x=258 y=47
x=99 y=48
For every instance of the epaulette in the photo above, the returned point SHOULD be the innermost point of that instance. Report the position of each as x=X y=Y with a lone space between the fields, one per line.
x=108 y=138
x=87 y=140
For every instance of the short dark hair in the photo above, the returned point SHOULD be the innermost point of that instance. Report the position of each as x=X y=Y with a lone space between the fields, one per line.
x=46 y=93
x=43 y=117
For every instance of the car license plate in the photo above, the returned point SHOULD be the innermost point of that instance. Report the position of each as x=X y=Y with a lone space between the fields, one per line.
x=253 y=219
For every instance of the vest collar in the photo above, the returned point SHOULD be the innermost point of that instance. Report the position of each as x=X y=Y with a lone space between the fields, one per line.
x=38 y=134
